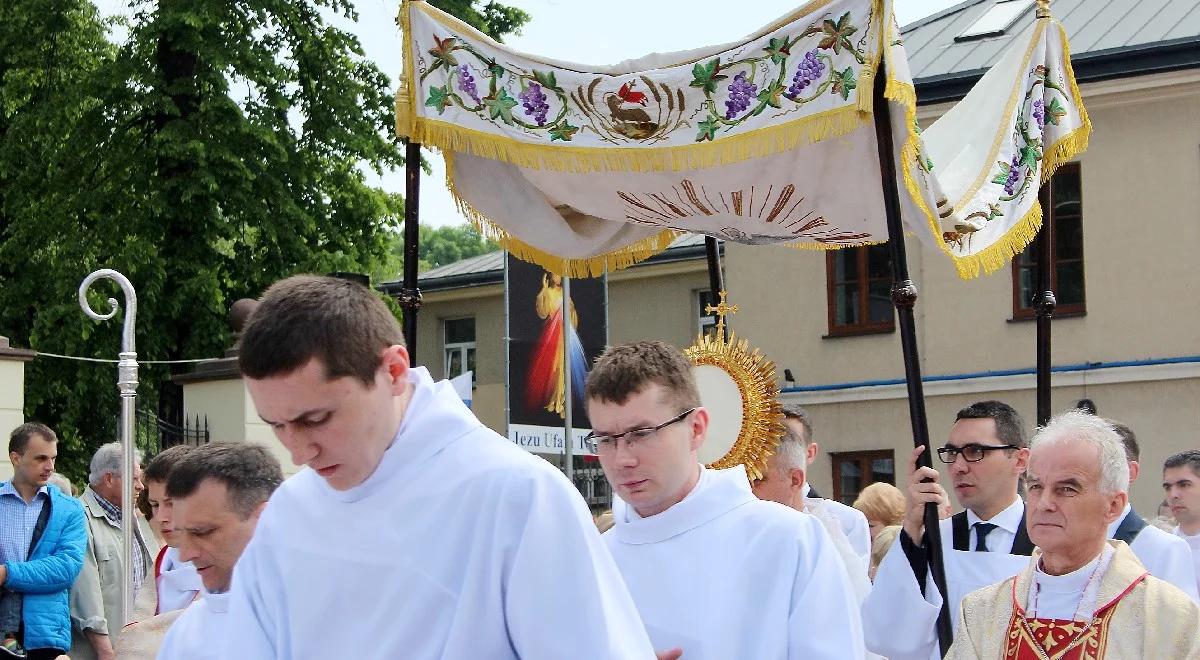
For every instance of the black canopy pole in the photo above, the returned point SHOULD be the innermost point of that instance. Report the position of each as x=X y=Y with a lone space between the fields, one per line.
x=410 y=296
x=904 y=297
x=716 y=280
x=1045 y=303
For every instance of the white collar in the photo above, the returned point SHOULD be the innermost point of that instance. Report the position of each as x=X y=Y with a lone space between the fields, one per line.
x=1009 y=519
x=716 y=493
x=632 y=514
x=434 y=417
x=1084 y=581
x=1179 y=532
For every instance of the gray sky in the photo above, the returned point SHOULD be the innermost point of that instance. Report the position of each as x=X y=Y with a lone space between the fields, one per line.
x=585 y=32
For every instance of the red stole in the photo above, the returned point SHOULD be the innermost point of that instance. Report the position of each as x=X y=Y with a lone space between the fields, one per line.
x=1054 y=639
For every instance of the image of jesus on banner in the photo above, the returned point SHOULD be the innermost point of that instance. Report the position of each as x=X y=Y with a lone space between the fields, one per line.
x=546 y=384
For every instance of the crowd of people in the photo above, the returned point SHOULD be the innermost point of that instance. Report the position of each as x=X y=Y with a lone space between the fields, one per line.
x=414 y=531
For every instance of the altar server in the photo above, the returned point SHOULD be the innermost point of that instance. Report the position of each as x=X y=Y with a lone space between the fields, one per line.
x=715 y=572
x=414 y=531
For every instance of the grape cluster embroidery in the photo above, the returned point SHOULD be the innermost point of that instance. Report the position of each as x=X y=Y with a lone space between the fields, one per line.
x=533 y=100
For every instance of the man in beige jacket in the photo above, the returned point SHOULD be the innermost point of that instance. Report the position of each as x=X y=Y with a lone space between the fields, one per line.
x=96 y=595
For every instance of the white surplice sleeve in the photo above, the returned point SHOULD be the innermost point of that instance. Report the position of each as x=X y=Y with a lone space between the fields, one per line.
x=899 y=622
x=860 y=537
x=1168 y=558
x=564 y=596
x=825 y=620
x=252 y=630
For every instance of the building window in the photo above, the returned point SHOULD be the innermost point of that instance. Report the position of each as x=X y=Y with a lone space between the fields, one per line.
x=859 y=284
x=855 y=470
x=1066 y=277
x=705 y=321
x=459 y=341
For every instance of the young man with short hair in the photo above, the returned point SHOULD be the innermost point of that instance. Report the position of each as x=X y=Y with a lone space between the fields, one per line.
x=42 y=541
x=986 y=454
x=1181 y=481
x=414 y=531
x=715 y=572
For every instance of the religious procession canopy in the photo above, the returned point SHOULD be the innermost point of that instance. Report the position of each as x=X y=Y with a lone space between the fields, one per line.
x=769 y=139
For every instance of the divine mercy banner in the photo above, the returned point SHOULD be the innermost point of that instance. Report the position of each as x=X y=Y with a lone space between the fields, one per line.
x=766 y=140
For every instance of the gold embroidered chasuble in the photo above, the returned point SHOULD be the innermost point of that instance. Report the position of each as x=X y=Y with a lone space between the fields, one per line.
x=1137 y=616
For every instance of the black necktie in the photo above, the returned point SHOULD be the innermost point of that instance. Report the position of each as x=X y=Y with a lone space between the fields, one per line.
x=982 y=529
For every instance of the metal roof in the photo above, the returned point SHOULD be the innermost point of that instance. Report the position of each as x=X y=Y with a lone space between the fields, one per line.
x=1109 y=38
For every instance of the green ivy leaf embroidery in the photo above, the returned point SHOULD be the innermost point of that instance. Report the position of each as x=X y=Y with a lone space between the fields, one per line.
x=1030 y=156
x=442 y=52
x=439 y=97
x=500 y=106
x=1002 y=177
x=495 y=69
x=770 y=95
x=1055 y=112
x=563 y=131
x=778 y=50
x=706 y=76
x=708 y=129
x=546 y=79
x=843 y=82
x=837 y=35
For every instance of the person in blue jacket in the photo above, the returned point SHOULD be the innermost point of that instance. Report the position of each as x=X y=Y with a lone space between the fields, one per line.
x=43 y=535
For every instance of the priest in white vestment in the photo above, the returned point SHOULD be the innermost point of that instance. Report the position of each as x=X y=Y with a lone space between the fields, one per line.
x=852 y=522
x=218 y=492
x=1181 y=483
x=714 y=571
x=1081 y=597
x=415 y=531
x=783 y=480
x=986 y=454
x=1166 y=556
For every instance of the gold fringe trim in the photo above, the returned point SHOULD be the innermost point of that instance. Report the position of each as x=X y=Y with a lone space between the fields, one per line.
x=623 y=257
x=1020 y=235
x=758 y=143
x=405 y=109
x=1074 y=143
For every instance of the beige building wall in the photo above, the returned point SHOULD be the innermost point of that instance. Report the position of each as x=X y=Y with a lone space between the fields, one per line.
x=12 y=395
x=1162 y=413
x=1141 y=227
x=231 y=415
x=12 y=406
x=486 y=305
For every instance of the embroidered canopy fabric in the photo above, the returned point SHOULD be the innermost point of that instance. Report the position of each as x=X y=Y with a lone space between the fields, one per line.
x=769 y=139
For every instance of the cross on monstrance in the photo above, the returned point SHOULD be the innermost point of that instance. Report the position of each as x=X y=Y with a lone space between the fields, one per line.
x=721 y=310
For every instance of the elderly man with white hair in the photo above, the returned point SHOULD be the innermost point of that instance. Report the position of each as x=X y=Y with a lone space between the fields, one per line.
x=96 y=594
x=1082 y=595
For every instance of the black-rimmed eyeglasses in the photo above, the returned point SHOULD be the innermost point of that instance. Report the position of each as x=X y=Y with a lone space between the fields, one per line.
x=603 y=444
x=972 y=453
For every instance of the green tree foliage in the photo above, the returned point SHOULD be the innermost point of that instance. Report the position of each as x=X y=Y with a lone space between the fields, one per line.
x=438 y=246
x=221 y=147
x=490 y=18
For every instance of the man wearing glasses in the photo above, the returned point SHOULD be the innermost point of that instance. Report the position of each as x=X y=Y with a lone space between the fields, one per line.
x=985 y=456
x=714 y=571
